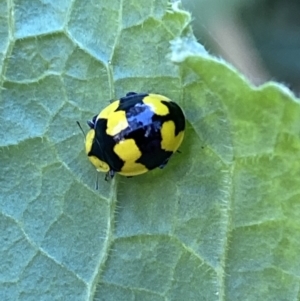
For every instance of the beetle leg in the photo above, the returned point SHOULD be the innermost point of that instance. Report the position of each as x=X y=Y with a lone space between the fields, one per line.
x=97 y=181
x=164 y=163
x=109 y=175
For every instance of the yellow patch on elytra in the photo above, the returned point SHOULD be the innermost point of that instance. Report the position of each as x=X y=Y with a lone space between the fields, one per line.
x=158 y=97
x=128 y=151
x=116 y=123
x=100 y=165
x=170 y=142
x=154 y=101
x=109 y=109
x=89 y=140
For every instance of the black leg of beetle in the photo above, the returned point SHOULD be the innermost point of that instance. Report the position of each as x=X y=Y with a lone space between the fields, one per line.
x=178 y=151
x=97 y=181
x=91 y=123
x=109 y=175
x=164 y=163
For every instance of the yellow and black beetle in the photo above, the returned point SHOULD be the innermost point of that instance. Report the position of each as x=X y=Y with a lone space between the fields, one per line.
x=135 y=134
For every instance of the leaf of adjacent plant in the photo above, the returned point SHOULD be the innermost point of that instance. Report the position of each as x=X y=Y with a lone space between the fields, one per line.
x=220 y=222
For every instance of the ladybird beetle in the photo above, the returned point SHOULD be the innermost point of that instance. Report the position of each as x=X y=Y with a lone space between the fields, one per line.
x=135 y=134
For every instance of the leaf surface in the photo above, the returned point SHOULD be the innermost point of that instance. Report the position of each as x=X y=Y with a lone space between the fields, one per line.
x=220 y=222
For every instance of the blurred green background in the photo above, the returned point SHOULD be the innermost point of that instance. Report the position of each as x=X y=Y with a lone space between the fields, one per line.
x=261 y=38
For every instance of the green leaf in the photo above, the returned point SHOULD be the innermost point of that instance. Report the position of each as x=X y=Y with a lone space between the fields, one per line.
x=220 y=222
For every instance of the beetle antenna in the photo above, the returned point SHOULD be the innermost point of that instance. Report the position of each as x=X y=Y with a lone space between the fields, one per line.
x=81 y=129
